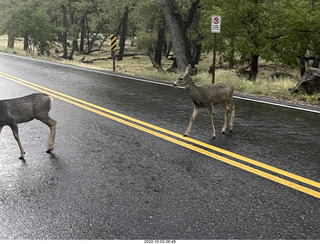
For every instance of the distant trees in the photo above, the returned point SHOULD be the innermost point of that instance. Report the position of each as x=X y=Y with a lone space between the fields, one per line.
x=298 y=33
x=283 y=31
x=29 y=21
x=151 y=30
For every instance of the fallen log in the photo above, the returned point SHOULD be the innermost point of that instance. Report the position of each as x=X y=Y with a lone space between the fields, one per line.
x=93 y=60
x=309 y=82
x=157 y=66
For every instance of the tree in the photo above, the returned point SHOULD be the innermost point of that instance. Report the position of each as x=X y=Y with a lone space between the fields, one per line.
x=123 y=36
x=246 y=26
x=178 y=34
x=64 y=32
x=30 y=22
x=151 y=30
x=283 y=31
x=298 y=33
x=5 y=6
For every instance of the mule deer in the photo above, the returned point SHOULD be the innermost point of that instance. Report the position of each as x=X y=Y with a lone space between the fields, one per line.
x=207 y=96
x=24 y=109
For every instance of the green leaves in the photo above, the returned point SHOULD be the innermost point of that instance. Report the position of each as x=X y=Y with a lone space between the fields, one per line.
x=276 y=30
x=27 y=20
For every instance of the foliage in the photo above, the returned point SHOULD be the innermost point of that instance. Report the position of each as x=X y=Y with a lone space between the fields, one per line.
x=246 y=27
x=148 y=18
x=281 y=31
x=275 y=30
x=298 y=28
x=29 y=21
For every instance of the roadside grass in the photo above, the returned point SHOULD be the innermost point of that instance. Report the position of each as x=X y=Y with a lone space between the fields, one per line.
x=140 y=65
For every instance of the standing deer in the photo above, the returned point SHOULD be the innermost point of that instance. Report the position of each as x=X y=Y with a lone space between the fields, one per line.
x=25 y=109
x=207 y=96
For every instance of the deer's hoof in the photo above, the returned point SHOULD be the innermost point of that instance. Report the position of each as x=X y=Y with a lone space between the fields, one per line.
x=185 y=135
x=21 y=158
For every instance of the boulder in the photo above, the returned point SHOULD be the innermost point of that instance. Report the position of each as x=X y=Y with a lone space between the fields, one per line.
x=309 y=82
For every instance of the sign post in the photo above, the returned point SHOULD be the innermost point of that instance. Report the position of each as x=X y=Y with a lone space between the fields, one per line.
x=113 y=50
x=215 y=28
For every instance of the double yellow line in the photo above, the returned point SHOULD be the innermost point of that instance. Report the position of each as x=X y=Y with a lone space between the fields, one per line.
x=283 y=177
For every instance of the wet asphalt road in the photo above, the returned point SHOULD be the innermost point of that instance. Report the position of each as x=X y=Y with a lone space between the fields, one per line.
x=107 y=180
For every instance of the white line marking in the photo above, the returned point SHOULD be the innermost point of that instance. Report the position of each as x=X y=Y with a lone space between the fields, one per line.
x=277 y=104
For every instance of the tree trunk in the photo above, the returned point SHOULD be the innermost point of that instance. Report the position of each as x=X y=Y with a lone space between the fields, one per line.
x=156 y=65
x=82 y=34
x=123 y=35
x=10 y=41
x=169 y=46
x=302 y=65
x=164 y=48
x=231 y=56
x=71 y=54
x=315 y=63
x=254 y=67
x=64 y=33
x=160 y=43
x=192 y=13
x=74 y=48
x=75 y=45
x=178 y=34
x=25 y=43
x=197 y=54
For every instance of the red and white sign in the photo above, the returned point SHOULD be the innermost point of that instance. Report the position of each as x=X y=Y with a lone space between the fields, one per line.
x=216 y=24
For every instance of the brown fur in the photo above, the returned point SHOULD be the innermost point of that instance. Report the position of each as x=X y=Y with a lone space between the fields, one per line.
x=207 y=96
x=24 y=109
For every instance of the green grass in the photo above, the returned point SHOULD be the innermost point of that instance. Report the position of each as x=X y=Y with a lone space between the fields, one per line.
x=262 y=86
x=140 y=65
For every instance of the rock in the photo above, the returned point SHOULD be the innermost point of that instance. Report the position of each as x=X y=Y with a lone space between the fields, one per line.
x=309 y=82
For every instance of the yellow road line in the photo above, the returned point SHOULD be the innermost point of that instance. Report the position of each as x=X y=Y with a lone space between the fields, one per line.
x=211 y=147
x=99 y=110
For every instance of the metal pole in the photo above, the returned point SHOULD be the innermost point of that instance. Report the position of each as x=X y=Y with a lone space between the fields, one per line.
x=214 y=56
x=114 y=60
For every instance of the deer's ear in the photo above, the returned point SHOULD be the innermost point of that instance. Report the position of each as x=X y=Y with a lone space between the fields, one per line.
x=193 y=71
x=186 y=72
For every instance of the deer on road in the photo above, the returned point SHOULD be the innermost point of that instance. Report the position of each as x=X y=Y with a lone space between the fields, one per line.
x=25 y=109
x=207 y=96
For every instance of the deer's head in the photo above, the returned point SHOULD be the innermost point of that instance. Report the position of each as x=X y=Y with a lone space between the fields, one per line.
x=182 y=80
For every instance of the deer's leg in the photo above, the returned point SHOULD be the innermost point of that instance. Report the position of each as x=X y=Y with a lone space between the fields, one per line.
x=226 y=114
x=51 y=123
x=193 y=116
x=211 y=121
x=15 y=131
x=233 y=110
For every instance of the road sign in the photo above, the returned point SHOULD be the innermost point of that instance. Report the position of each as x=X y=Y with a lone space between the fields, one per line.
x=215 y=28
x=216 y=24
x=113 y=42
x=113 y=50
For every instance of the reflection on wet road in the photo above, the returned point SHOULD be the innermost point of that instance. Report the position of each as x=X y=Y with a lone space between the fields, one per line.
x=121 y=169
